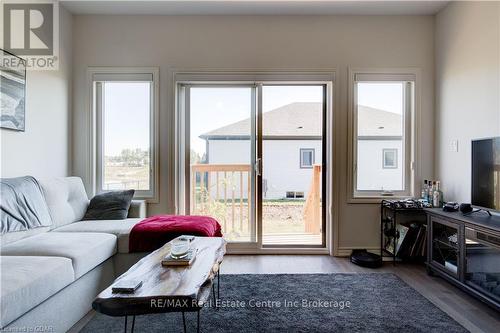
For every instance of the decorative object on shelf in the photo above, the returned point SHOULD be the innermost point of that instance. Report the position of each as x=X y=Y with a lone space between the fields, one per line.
x=405 y=204
x=432 y=193
x=185 y=260
x=465 y=208
x=451 y=207
x=12 y=91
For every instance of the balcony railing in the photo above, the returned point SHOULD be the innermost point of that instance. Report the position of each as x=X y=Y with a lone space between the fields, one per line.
x=312 y=208
x=222 y=191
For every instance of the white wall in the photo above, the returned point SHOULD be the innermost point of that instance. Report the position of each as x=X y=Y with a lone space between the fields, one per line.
x=280 y=163
x=467 y=88
x=44 y=149
x=371 y=174
x=265 y=43
x=229 y=152
x=281 y=166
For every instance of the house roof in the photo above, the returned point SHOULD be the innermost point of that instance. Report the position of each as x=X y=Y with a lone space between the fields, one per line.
x=376 y=122
x=304 y=120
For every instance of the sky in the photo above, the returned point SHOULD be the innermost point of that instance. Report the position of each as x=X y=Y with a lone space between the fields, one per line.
x=212 y=108
x=386 y=96
x=126 y=123
x=126 y=116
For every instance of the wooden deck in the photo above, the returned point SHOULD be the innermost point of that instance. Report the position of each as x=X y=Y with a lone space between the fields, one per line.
x=292 y=239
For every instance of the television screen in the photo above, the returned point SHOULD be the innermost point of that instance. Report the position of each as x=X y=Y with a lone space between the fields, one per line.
x=486 y=173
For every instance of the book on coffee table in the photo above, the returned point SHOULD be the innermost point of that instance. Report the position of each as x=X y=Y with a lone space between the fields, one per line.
x=186 y=260
x=126 y=286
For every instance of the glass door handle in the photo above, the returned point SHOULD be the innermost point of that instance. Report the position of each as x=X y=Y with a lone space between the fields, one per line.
x=258 y=167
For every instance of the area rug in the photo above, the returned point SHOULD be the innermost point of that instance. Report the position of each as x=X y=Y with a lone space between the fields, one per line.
x=374 y=302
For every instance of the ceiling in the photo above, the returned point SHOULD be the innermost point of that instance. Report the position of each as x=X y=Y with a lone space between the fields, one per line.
x=253 y=7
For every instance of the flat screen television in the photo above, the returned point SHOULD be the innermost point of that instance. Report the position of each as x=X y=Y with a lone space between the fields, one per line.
x=486 y=173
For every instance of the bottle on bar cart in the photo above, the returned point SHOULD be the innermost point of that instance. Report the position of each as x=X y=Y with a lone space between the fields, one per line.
x=437 y=198
x=425 y=191
x=430 y=194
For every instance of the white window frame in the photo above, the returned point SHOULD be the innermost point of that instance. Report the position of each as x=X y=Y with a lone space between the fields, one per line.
x=410 y=134
x=123 y=74
x=313 y=157
x=390 y=150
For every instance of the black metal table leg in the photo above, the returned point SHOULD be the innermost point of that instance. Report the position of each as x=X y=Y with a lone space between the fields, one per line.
x=395 y=234
x=213 y=294
x=184 y=321
x=125 y=330
x=218 y=284
x=133 y=324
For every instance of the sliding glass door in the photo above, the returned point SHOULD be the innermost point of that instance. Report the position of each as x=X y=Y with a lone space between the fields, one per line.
x=292 y=163
x=255 y=160
x=222 y=154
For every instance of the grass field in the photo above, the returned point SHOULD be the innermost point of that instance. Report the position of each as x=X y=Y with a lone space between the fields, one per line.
x=120 y=177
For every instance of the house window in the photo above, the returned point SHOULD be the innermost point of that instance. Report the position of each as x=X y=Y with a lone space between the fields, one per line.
x=382 y=132
x=125 y=132
x=390 y=158
x=306 y=158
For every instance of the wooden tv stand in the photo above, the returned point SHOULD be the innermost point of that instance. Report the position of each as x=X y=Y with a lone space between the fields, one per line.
x=465 y=250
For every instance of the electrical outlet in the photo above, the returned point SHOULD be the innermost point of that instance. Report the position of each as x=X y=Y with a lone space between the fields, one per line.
x=454 y=146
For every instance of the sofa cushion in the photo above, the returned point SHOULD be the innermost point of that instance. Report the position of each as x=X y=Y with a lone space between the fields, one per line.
x=27 y=281
x=66 y=199
x=119 y=228
x=86 y=250
x=111 y=205
x=137 y=209
x=11 y=237
x=22 y=204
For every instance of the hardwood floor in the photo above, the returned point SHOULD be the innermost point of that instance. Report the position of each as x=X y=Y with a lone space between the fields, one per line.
x=472 y=314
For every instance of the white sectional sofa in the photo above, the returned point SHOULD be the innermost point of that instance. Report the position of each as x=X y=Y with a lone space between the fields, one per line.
x=50 y=275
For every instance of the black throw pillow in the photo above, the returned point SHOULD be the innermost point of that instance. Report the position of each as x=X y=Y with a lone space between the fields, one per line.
x=109 y=206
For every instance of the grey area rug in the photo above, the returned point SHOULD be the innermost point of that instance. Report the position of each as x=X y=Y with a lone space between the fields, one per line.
x=378 y=302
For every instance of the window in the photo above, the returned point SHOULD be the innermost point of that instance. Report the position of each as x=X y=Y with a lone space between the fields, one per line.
x=382 y=132
x=390 y=158
x=294 y=195
x=125 y=132
x=306 y=158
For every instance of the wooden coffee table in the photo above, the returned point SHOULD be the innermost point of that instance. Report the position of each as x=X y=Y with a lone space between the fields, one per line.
x=167 y=289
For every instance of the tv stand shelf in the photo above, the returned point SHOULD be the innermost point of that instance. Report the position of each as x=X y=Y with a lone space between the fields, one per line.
x=465 y=250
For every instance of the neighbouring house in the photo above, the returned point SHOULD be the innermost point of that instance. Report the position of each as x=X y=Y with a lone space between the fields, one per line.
x=380 y=150
x=292 y=144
